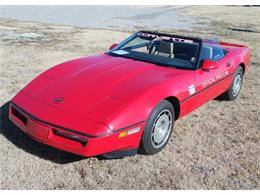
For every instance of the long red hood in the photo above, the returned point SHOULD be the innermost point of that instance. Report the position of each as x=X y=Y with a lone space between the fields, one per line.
x=100 y=81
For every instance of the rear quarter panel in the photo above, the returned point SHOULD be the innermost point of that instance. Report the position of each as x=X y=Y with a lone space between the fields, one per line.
x=238 y=54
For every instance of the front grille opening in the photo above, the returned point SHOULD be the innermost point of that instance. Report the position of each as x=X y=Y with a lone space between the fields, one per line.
x=19 y=115
x=70 y=136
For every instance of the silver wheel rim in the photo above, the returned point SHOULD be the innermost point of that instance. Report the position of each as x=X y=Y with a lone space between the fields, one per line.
x=161 y=128
x=237 y=84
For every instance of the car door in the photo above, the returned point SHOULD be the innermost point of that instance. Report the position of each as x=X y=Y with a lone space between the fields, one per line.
x=209 y=83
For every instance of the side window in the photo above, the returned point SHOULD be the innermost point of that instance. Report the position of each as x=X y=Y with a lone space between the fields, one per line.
x=212 y=52
x=207 y=52
x=218 y=53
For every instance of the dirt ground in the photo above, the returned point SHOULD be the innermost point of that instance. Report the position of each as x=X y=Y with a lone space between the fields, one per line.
x=215 y=147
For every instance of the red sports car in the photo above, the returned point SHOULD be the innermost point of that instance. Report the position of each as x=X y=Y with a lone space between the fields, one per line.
x=127 y=99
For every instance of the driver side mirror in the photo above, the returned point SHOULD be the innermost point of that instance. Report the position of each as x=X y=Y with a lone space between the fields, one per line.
x=113 y=46
x=209 y=65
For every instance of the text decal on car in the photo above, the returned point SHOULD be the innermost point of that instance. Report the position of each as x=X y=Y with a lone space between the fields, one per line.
x=217 y=77
x=160 y=37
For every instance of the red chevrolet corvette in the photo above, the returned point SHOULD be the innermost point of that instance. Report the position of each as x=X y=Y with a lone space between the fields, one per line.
x=127 y=99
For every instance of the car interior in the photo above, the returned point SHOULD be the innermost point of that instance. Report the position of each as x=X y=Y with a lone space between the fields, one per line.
x=212 y=52
x=180 y=50
x=169 y=50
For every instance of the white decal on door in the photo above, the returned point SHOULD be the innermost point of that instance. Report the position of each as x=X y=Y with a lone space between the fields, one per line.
x=192 y=89
x=214 y=79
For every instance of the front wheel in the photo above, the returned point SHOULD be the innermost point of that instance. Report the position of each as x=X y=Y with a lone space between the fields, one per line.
x=158 y=129
x=235 y=86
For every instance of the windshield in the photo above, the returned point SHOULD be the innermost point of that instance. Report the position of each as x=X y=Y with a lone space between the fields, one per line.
x=168 y=50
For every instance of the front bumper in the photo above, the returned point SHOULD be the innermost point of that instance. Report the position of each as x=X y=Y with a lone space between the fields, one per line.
x=72 y=141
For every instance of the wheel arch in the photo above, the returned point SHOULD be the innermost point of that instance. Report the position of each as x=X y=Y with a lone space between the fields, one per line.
x=243 y=66
x=176 y=105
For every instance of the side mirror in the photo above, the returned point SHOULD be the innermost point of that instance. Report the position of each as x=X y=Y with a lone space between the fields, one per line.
x=113 y=46
x=209 y=65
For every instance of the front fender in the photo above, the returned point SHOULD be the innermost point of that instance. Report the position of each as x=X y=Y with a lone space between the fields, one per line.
x=139 y=109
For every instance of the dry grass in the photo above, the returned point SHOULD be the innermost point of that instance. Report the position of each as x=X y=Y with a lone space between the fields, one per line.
x=215 y=147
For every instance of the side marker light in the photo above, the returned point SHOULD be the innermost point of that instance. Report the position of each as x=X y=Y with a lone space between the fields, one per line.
x=129 y=132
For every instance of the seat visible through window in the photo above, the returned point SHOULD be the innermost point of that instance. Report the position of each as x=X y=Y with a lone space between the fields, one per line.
x=207 y=53
x=212 y=52
x=165 y=49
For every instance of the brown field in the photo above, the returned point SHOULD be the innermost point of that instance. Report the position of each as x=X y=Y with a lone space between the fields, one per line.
x=215 y=147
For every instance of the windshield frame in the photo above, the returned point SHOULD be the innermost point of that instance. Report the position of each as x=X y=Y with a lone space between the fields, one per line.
x=176 y=60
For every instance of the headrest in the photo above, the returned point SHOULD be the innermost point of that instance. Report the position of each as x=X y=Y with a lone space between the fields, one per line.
x=165 y=47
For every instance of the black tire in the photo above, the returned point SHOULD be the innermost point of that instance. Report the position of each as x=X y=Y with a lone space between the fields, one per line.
x=229 y=95
x=148 y=145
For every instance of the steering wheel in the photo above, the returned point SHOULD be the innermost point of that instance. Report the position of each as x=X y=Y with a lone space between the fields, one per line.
x=148 y=48
x=151 y=49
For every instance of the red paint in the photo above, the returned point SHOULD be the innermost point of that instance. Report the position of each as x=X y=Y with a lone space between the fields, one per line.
x=100 y=95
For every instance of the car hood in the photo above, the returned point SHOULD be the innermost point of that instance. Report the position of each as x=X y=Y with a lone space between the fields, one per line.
x=98 y=86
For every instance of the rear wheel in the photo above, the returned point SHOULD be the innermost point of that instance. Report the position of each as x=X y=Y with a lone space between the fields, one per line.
x=158 y=128
x=235 y=87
